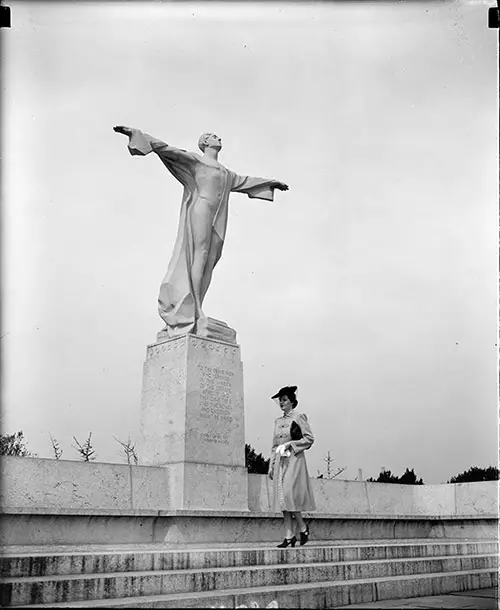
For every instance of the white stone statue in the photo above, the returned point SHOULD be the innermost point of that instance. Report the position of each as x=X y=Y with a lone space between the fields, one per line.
x=202 y=225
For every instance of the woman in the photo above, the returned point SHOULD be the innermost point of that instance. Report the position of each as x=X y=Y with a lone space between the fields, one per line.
x=288 y=468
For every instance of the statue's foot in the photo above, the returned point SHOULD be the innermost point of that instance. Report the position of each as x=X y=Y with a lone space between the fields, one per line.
x=162 y=335
x=215 y=329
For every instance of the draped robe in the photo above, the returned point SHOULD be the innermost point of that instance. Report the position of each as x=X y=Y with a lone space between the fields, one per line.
x=176 y=303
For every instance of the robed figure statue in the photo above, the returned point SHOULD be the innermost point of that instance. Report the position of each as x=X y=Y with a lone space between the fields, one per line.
x=202 y=224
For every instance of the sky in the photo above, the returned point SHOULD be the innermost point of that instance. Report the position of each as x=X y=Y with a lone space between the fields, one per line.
x=371 y=284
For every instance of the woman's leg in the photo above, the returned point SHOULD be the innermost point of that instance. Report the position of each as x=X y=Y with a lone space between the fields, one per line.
x=288 y=524
x=300 y=522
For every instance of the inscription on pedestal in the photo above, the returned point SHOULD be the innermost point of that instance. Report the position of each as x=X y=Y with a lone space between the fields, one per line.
x=215 y=403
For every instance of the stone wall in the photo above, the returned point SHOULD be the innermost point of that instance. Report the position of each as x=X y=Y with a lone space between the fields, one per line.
x=362 y=498
x=36 y=482
x=64 y=484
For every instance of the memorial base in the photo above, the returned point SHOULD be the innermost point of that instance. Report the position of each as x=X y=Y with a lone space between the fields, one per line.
x=210 y=328
x=192 y=422
x=196 y=486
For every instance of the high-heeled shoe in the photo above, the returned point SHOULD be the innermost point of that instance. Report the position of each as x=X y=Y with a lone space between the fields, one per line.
x=287 y=542
x=304 y=537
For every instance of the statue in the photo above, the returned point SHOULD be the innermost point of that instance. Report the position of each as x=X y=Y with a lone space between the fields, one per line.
x=202 y=225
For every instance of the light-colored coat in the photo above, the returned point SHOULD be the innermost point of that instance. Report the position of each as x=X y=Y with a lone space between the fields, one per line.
x=292 y=485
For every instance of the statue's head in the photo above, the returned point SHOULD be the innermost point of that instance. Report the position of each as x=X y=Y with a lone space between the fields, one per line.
x=209 y=140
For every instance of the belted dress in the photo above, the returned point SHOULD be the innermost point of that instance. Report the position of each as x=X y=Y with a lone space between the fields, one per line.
x=292 y=485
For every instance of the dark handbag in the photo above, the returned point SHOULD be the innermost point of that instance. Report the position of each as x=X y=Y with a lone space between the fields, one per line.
x=295 y=432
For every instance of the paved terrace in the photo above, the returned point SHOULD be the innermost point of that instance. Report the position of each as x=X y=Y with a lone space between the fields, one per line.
x=479 y=599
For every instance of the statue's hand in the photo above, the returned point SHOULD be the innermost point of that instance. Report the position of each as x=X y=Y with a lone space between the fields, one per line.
x=127 y=131
x=281 y=186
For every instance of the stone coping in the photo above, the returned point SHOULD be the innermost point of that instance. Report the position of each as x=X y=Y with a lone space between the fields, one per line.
x=108 y=512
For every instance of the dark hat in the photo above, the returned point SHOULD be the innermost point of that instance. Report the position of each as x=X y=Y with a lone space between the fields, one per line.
x=288 y=390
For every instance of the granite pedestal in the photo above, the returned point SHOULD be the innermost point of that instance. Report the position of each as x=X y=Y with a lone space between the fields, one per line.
x=192 y=422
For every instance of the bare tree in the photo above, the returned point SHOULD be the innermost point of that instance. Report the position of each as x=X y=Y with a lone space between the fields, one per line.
x=56 y=447
x=86 y=450
x=129 y=450
x=330 y=473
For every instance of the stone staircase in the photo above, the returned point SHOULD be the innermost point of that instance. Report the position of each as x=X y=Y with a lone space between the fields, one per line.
x=325 y=574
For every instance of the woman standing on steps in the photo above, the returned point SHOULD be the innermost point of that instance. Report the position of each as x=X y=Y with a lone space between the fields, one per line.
x=288 y=468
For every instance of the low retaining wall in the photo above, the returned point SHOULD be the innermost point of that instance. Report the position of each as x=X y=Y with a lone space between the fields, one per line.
x=64 y=484
x=85 y=526
x=363 y=498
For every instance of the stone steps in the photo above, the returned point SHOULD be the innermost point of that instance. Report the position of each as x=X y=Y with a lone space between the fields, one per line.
x=320 y=595
x=50 y=562
x=88 y=587
x=331 y=573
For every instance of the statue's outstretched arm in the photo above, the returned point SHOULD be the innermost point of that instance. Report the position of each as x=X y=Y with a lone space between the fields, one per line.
x=258 y=188
x=142 y=144
x=139 y=143
x=165 y=151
